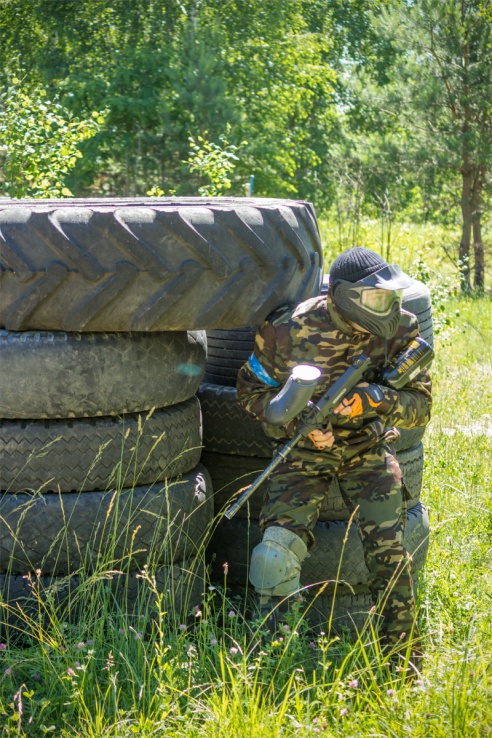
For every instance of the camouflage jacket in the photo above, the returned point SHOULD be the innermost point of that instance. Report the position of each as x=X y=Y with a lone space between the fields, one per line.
x=313 y=332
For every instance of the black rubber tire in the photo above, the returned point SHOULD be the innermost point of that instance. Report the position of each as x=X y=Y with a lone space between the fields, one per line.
x=85 y=454
x=60 y=534
x=153 y=264
x=234 y=540
x=231 y=473
x=68 y=375
x=417 y=300
x=181 y=583
x=239 y=343
x=227 y=428
x=349 y=613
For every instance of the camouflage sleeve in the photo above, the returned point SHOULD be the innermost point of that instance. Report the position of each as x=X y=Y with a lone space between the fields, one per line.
x=261 y=378
x=409 y=407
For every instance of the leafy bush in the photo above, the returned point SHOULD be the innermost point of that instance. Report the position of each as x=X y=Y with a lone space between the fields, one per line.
x=39 y=142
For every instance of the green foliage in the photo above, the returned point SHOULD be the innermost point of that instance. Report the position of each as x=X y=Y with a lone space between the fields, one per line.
x=39 y=142
x=214 y=161
x=168 y=70
x=442 y=291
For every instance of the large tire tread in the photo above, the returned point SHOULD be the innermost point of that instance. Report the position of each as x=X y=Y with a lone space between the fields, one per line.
x=153 y=264
x=86 y=454
x=60 y=534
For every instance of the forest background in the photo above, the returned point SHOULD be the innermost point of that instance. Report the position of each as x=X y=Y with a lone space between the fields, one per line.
x=380 y=113
x=377 y=111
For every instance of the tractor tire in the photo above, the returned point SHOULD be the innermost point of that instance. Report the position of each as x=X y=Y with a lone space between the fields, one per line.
x=62 y=533
x=150 y=264
x=85 y=454
x=71 y=375
x=336 y=558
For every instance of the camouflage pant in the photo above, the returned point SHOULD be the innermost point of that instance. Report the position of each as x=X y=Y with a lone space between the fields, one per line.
x=371 y=482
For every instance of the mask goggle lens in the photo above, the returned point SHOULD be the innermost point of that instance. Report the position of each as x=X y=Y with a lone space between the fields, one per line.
x=378 y=300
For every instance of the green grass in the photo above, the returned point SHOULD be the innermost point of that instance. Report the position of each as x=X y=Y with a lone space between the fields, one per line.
x=96 y=670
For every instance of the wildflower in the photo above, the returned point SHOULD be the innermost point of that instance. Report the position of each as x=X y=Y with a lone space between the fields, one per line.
x=390 y=692
x=90 y=642
x=231 y=613
x=354 y=683
x=286 y=628
x=81 y=644
x=183 y=626
x=225 y=567
x=70 y=672
x=343 y=711
x=137 y=636
x=234 y=650
x=121 y=631
x=3 y=646
x=211 y=588
x=213 y=641
x=312 y=644
x=8 y=671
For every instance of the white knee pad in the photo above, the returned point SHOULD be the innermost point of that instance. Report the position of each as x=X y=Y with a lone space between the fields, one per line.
x=276 y=562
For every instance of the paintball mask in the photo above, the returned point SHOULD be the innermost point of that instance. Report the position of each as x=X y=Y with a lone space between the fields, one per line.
x=372 y=300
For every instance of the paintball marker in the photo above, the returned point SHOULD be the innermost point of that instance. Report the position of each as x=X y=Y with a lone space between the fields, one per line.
x=301 y=385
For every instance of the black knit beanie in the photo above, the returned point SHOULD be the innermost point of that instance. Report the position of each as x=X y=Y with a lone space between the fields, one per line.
x=356 y=264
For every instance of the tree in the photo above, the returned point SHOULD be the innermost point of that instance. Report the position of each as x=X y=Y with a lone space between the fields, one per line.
x=168 y=70
x=39 y=142
x=440 y=91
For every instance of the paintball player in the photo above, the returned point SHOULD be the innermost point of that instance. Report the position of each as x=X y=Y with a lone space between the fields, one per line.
x=360 y=314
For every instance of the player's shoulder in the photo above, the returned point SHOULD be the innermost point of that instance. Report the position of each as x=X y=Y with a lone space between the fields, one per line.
x=297 y=313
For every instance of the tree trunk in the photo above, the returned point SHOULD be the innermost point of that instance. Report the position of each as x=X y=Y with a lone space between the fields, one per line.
x=479 y=268
x=467 y=215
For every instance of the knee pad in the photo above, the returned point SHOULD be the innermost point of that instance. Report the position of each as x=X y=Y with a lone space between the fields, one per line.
x=276 y=562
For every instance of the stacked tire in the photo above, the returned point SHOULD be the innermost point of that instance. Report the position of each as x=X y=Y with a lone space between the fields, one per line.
x=102 y=349
x=100 y=445
x=236 y=450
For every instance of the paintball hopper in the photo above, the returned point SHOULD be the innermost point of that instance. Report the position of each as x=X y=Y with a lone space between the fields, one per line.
x=294 y=396
x=404 y=367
